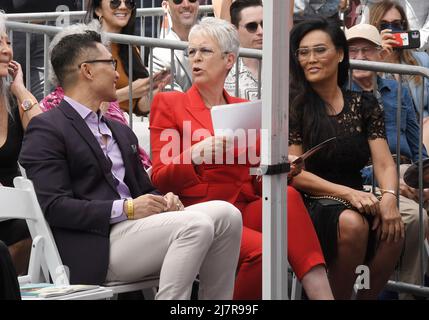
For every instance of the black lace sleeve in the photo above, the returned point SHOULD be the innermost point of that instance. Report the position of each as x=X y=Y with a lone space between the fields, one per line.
x=373 y=117
x=295 y=131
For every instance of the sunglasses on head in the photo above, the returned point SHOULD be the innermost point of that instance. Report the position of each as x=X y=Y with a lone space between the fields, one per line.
x=177 y=2
x=115 y=4
x=252 y=27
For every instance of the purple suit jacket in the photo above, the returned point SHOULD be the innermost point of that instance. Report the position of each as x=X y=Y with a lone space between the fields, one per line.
x=76 y=188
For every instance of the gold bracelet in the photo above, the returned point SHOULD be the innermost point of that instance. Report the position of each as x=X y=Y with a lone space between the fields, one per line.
x=130 y=209
x=383 y=191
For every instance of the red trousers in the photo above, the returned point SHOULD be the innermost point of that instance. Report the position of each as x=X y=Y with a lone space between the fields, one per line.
x=304 y=250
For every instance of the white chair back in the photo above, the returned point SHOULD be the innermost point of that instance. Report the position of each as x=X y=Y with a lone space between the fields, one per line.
x=149 y=172
x=148 y=284
x=21 y=203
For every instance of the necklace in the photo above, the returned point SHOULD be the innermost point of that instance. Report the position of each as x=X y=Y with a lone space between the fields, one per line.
x=210 y=105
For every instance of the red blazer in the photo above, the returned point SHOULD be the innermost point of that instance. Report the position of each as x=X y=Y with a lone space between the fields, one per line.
x=185 y=113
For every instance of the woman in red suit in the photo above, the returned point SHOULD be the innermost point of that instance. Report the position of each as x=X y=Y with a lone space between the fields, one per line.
x=183 y=145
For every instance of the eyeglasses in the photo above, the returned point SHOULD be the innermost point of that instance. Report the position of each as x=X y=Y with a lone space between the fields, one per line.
x=366 y=51
x=114 y=62
x=320 y=52
x=395 y=24
x=177 y=2
x=115 y=4
x=205 y=52
x=252 y=27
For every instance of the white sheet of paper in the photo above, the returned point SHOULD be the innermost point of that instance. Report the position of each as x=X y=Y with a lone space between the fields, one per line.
x=237 y=116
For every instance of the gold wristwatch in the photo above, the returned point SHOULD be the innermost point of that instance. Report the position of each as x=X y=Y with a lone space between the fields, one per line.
x=27 y=104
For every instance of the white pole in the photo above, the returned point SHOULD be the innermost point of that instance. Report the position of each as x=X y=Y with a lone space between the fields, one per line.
x=275 y=97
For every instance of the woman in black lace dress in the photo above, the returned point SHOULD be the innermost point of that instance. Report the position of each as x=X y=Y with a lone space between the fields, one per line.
x=354 y=227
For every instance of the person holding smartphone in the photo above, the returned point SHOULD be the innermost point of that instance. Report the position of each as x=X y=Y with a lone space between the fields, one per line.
x=389 y=17
x=119 y=16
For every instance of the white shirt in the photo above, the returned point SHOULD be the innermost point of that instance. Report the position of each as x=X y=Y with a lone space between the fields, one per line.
x=248 y=84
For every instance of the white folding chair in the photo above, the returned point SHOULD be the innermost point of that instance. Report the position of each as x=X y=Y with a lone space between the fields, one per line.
x=296 y=290
x=45 y=262
x=149 y=172
x=147 y=285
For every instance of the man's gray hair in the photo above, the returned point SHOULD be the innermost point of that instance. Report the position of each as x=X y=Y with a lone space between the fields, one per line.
x=77 y=28
x=221 y=31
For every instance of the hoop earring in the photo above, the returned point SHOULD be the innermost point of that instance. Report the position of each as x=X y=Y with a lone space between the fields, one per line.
x=100 y=19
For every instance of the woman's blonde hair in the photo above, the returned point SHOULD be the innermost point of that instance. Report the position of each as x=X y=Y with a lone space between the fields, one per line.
x=4 y=85
x=376 y=14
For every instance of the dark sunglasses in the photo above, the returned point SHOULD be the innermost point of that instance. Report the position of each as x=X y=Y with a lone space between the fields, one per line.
x=180 y=1
x=395 y=25
x=115 y=4
x=252 y=27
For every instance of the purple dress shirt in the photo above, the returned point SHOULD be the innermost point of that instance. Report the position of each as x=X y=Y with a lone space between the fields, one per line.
x=53 y=100
x=99 y=129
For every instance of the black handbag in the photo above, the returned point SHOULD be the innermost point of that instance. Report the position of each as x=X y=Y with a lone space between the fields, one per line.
x=331 y=201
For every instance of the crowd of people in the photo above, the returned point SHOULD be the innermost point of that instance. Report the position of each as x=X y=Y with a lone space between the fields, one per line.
x=181 y=210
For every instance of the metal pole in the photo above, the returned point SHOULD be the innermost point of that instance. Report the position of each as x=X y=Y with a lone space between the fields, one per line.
x=78 y=15
x=260 y=79
x=46 y=66
x=380 y=101
x=398 y=134
x=158 y=25
x=27 y=62
x=422 y=227
x=408 y=288
x=130 y=84
x=153 y=21
x=173 y=68
x=275 y=97
x=151 y=75
x=143 y=47
x=237 y=77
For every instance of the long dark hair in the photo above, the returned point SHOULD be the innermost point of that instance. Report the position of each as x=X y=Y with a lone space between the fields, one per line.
x=139 y=70
x=307 y=109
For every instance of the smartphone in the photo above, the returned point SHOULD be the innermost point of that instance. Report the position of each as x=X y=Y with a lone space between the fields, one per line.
x=407 y=39
x=161 y=74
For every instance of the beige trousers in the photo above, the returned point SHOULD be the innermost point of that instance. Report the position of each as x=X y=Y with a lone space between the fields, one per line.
x=410 y=268
x=203 y=240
